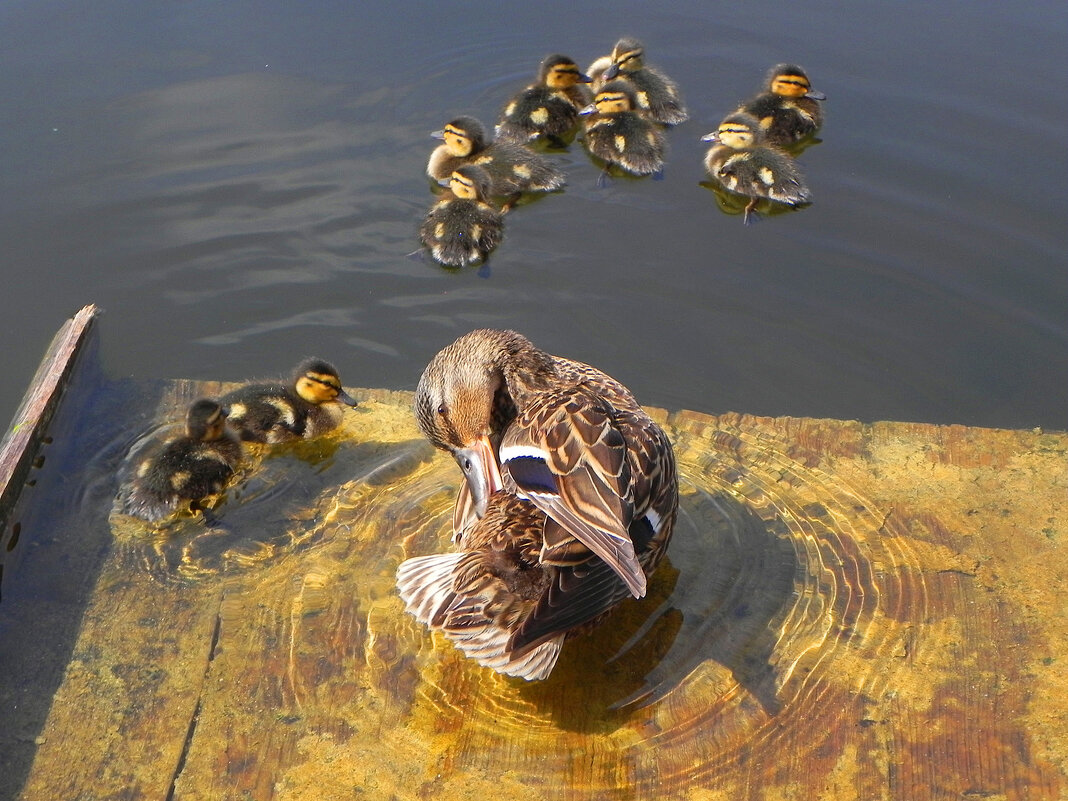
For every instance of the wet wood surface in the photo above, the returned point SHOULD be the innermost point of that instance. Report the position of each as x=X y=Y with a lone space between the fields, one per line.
x=45 y=390
x=847 y=611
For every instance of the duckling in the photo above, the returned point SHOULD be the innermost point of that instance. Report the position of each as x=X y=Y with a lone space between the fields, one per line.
x=789 y=110
x=187 y=468
x=743 y=163
x=462 y=228
x=307 y=407
x=618 y=134
x=548 y=108
x=566 y=437
x=513 y=169
x=657 y=95
x=499 y=602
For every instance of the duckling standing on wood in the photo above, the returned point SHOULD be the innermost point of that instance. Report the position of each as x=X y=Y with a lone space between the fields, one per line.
x=790 y=109
x=741 y=161
x=548 y=108
x=310 y=405
x=462 y=228
x=513 y=169
x=617 y=134
x=187 y=468
x=656 y=94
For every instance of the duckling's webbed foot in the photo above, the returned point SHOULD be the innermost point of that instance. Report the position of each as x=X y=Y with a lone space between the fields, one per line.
x=751 y=215
x=604 y=179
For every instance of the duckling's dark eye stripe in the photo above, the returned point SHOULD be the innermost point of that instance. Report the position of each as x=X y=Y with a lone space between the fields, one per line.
x=463 y=181
x=326 y=382
x=455 y=132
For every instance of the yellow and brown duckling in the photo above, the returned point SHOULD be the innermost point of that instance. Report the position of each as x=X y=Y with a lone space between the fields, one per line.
x=462 y=228
x=513 y=169
x=569 y=439
x=618 y=134
x=790 y=109
x=499 y=602
x=306 y=407
x=743 y=163
x=187 y=468
x=548 y=108
x=656 y=94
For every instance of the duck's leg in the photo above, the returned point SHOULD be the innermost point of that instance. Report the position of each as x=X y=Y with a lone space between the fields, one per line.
x=605 y=178
x=751 y=215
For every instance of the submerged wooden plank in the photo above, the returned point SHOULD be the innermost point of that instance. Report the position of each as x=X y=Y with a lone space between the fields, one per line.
x=848 y=611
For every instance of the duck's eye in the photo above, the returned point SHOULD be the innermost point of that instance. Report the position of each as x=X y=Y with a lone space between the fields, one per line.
x=442 y=410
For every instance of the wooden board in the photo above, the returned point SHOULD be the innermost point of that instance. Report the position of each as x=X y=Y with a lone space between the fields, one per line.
x=847 y=611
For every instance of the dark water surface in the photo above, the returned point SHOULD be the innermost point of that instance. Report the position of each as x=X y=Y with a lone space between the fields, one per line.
x=238 y=185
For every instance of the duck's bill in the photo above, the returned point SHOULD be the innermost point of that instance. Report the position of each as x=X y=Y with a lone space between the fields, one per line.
x=438 y=134
x=711 y=137
x=346 y=398
x=590 y=109
x=813 y=94
x=478 y=462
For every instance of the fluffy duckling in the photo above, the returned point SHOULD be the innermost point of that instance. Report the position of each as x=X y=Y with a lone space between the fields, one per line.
x=741 y=161
x=618 y=134
x=513 y=168
x=566 y=437
x=657 y=95
x=462 y=228
x=789 y=110
x=187 y=468
x=310 y=405
x=499 y=602
x=548 y=108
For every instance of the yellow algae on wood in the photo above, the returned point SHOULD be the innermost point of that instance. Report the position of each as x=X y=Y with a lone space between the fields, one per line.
x=847 y=611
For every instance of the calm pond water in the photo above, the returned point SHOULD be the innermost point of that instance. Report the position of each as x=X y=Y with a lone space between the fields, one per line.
x=239 y=185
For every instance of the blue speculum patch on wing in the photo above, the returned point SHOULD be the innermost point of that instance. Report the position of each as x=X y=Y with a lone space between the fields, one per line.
x=531 y=474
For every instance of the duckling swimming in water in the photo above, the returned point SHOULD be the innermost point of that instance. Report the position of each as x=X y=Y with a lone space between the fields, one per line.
x=743 y=163
x=462 y=228
x=618 y=134
x=656 y=94
x=512 y=168
x=500 y=601
x=548 y=108
x=187 y=468
x=789 y=110
x=310 y=405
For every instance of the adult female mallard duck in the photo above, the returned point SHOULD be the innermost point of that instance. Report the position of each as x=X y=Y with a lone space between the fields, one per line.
x=789 y=110
x=499 y=602
x=617 y=134
x=187 y=468
x=656 y=94
x=514 y=169
x=548 y=108
x=741 y=161
x=462 y=228
x=308 y=406
x=566 y=437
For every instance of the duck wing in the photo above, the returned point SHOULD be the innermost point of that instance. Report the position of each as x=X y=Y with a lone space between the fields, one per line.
x=566 y=455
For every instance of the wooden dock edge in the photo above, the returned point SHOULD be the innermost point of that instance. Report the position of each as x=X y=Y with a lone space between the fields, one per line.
x=19 y=445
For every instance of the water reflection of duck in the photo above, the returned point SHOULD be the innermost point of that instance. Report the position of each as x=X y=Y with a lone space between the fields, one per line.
x=513 y=168
x=306 y=407
x=569 y=438
x=548 y=108
x=618 y=134
x=462 y=228
x=499 y=601
x=187 y=468
x=789 y=110
x=741 y=161
x=656 y=94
